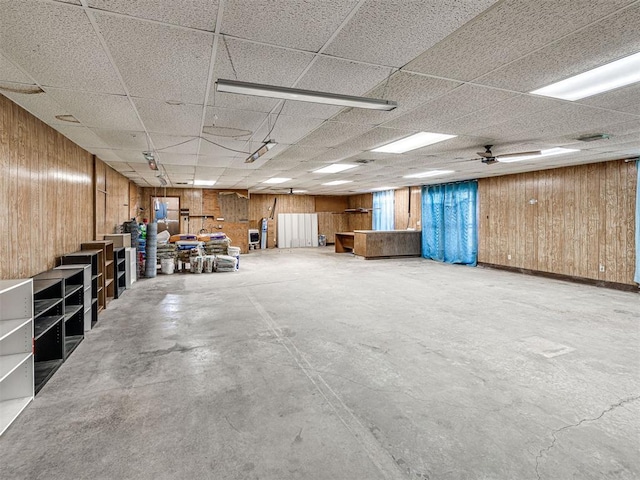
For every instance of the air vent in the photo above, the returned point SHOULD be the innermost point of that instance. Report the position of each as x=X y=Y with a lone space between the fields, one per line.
x=364 y=161
x=594 y=137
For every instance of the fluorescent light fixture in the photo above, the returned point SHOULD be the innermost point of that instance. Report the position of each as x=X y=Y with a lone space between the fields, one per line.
x=150 y=160
x=335 y=168
x=418 y=140
x=298 y=191
x=272 y=91
x=337 y=182
x=204 y=183
x=268 y=145
x=430 y=173
x=277 y=180
x=543 y=153
x=601 y=79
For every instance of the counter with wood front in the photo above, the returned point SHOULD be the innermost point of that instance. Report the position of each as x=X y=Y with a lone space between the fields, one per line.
x=387 y=243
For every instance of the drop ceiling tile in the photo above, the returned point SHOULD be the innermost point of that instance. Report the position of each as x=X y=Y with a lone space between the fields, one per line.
x=457 y=103
x=180 y=169
x=118 y=139
x=288 y=130
x=626 y=99
x=82 y=136
x=167 y=63
x=10 y=73
x=300 y=153
x=184 y=145
x=517 y=27
x=74 y=2
x=200 y=14
x=344 y=77
x=292 y=108
x=227 y=147
x=376 y=137
x=606 y=41
x=177 y=159
x=160 y=117
x=506 y=111
x=401 y=30
x=305 y=25
x=408 y=90
x=331 y=134
x=98 y=110
x=208 y=173
x=241 y=102
x=108 y=155
x=217 y=161
x=56 y=45
x=133 y=157
x=233 y=124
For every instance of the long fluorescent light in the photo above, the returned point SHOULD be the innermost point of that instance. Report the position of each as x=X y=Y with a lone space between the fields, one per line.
x=417 y=140
x=335 y=168
x=601 y=79
x=543 y=153
x=272 y=91
x=337 y=182
x=204 y=183
x=268 y=145
x=430 y=173
x=277 y=180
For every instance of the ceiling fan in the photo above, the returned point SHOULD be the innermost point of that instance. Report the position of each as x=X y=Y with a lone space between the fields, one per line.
x=489 y=158
x=290 y=191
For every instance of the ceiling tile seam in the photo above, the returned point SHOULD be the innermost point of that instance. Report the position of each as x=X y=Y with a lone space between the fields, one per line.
x=107 y=52
x=558 y=40
x=307 y=52
x=212 y=61
x=307 y=68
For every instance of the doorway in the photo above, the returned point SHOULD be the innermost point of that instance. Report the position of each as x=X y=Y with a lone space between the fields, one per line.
x=166 y=213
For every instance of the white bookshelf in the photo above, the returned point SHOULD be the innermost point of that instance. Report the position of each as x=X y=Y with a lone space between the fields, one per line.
x=16 y=349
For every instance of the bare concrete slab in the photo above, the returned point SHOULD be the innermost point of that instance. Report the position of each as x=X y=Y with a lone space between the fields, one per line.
x=307 y=364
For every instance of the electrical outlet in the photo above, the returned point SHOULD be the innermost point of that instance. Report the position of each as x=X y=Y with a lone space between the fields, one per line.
x=508 y=257
x=601 y=268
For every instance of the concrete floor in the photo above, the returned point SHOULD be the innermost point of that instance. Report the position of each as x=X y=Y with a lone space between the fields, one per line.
x=307 y=364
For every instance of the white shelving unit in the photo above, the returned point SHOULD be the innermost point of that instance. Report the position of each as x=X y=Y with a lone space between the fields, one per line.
x=16 y=349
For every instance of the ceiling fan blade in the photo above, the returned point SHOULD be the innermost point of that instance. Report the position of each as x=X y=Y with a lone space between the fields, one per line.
x=519 y=154
x=485 y=154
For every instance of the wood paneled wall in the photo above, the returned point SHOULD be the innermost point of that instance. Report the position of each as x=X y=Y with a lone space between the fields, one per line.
x=360 y=221
x=568 y=221
x=46 y=194
x=112 y=199
x=204 y=209
x=402 y=218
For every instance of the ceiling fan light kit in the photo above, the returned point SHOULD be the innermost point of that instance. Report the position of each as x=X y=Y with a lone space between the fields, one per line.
x=285 y=93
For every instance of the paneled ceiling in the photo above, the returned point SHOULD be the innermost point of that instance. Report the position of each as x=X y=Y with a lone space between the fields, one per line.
x=138 y=75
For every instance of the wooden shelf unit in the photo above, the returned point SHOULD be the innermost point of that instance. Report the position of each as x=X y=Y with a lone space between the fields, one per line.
x=48 y=343
x=93 y=258
x=16 y=349
x=120 y=271
x=108 y=266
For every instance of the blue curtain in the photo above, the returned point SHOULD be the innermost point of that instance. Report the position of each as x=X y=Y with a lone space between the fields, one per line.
x=384 y=210
x=450 y=222
x=636 y=278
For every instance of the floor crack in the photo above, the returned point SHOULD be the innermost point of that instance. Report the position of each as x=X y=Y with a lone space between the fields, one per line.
x=554 y=433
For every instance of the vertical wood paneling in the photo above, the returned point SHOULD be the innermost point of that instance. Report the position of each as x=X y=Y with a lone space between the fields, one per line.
x=583 y=217
x=402 y=219
x=45 y=194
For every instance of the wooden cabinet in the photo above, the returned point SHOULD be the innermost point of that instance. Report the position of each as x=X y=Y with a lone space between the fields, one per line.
x=390 y=243
x=16 y=357
x=108 y=267
x=87 y=298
